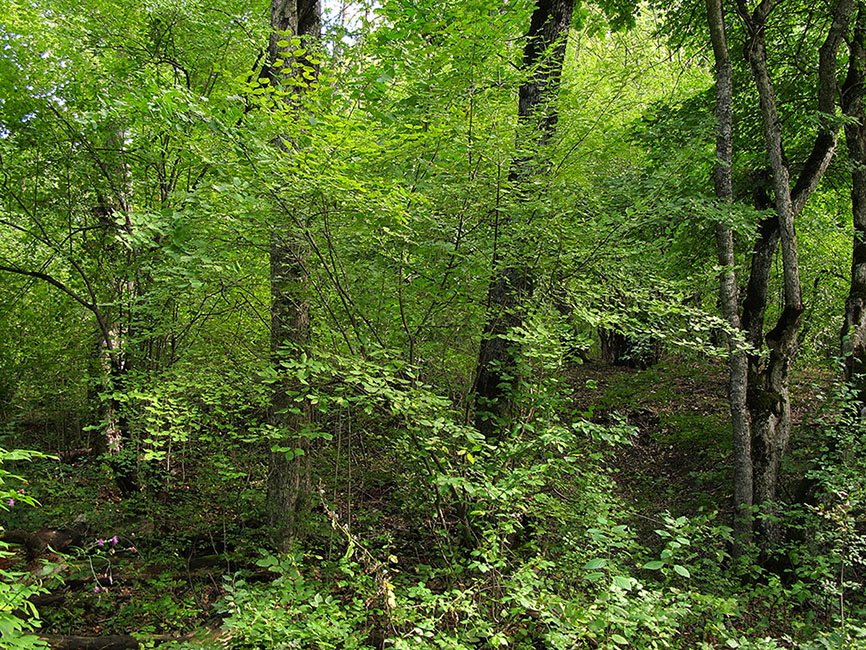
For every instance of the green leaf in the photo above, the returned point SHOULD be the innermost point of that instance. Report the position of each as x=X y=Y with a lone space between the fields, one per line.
x=684 y=572
x=619 y=640
x=595 y=564
x=622 y=582
x=655 y=565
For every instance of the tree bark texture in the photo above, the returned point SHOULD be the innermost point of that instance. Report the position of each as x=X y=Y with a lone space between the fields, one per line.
x=624 y=350
x=738 y=366
x=288 y=495
x=854 y=328
x=758 y=286
x=497 y=368
x=544 y=53
x=768 y=392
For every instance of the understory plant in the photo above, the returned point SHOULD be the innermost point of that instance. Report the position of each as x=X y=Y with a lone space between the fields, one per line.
x=18 y=616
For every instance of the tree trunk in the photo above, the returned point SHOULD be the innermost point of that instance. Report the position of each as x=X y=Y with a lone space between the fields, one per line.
x=497 y=368
x=289 y=466
x=769 y=399
x=114 y=319
x=755 y=302
x=728 y=294
x=768 y=392
x=624 y=350
x=288 y=496
x=854 y=328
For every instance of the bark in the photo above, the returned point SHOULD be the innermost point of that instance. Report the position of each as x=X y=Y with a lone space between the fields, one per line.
x=288 y=496
x=728 y=293
x=755 y=302
x=113 y=352
x=497 y=369
x=624 y=350
x=768 y=391
x=120 y=642
x=854 y=329
x=545 y=51
x=825 y=144
x=289 y=466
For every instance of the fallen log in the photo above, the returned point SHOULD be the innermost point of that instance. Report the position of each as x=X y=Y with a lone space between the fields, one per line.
x=42 y=600
x=74 y=454
x=38 y=542
x=120 y=642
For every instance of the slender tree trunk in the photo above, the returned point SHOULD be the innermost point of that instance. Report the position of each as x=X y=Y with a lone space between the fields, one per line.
x=115 y=318
x=769 y=398
x=854 y=329
x=289 y=466
x=288 y=497
x=768 y=393
x=497 y=368
x=728 y=295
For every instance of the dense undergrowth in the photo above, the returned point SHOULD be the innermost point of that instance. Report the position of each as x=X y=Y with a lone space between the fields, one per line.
x=217 y=275
x=602 y=523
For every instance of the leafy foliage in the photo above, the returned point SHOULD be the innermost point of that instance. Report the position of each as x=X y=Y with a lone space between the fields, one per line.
x=18 y=616
x=149 y=164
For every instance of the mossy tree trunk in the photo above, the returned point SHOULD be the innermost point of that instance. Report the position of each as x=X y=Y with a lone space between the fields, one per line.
x=728 y=293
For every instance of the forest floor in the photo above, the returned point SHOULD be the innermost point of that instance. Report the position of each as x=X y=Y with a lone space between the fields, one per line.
x=157 y=566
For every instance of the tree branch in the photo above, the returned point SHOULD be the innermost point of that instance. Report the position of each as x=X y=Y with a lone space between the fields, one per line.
x=53 y=282
x=825 y=144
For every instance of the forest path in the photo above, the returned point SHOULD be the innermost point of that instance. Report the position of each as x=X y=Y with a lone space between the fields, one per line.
x=680 y=460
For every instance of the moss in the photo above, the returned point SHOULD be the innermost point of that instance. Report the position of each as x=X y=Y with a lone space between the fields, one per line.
x=764 y=401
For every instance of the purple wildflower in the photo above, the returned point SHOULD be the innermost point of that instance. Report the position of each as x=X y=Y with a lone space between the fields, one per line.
x=11 y=502
x=114 y=540
x=100 y=542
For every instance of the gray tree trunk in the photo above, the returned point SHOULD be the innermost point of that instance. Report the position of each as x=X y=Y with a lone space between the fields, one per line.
x=728 y=295
x=768 y=397
x=288 y=495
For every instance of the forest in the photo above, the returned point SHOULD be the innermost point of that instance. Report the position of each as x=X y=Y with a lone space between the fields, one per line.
x=432 y=324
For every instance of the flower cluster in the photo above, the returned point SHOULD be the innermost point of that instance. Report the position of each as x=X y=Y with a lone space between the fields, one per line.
x=99 y=588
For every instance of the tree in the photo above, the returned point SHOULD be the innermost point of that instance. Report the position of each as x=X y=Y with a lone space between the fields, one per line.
x=511 y=283
x=288 y=498
x=728 y=294
x=98 y=182
x=758 y=458
x=769 y=397
x=854 y=328
x=776 y=162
